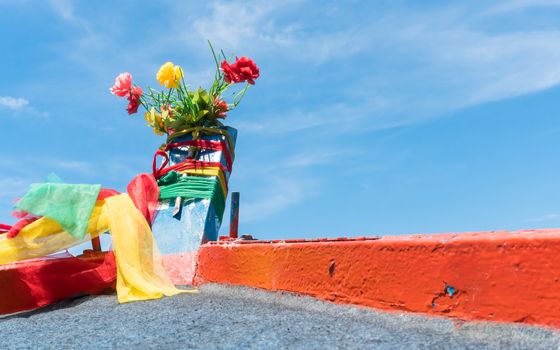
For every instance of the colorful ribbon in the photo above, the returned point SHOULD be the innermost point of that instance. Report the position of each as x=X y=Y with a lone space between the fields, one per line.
x=28 y=285
x=192 y=187
x=204 y=177
x=140 y=274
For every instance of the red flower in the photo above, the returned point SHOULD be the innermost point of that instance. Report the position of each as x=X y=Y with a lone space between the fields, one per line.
x=243 y=69
x=134 y=100
x=220 y=108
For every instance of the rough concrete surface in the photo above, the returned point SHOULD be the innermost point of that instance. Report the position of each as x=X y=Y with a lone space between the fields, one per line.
x=222 y=317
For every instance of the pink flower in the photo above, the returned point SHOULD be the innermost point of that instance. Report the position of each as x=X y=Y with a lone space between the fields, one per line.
x=123 y=85
x=134 y=100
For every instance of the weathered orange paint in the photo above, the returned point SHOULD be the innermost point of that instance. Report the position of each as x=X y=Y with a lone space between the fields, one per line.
x=497 y=276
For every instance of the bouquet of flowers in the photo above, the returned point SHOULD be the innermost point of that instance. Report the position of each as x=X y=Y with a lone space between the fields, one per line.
x=177 y=107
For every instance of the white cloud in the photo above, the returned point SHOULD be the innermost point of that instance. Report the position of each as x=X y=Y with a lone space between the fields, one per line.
x=74 y=166
x=518 y=5
x=234 y=24
x=63 y=8
x=544 y=218
x=39 y=165
x=471 y=67
x=20 y=105
x=272 y=185
x=276 y=194
x=366 y=114
x=13 y=102
x=424 y=63
x=259 y=26
x=313 y=157
x=12 y=187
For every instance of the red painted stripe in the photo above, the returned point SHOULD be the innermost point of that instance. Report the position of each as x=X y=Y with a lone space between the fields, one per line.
x=495 y=276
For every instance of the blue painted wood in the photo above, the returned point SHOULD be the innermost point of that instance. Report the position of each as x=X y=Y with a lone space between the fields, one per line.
x=234 y=215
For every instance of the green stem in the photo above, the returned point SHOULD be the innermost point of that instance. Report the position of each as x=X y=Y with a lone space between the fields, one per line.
x=239 y=96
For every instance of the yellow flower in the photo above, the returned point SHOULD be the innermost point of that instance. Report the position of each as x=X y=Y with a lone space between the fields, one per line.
x=155 y=121
x=169 y=75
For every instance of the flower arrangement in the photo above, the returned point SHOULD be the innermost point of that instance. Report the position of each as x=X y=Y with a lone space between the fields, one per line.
x=177 y=107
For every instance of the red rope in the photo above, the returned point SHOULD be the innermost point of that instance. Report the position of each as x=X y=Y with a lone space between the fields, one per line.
x=155 y=169
x=205 y=144
x=191 y=163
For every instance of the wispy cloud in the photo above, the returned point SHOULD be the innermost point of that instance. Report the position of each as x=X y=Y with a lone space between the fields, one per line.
x=253 y=21
x=519 y=5
x=494 y=65
x=278 y=194
x=261 y=26
x=63 y=164
x=421 y=62
x=37 y=166
x=449 y=58
x=314 y=157
x=544 y=218
x=12 y=187
x=21 y=106
x=336 y=117
x=273 y=185
x=63 y=8
x=13 y=102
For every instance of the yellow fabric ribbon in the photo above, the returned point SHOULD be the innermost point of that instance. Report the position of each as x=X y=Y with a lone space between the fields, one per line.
x=45 y=236
x=140 y=273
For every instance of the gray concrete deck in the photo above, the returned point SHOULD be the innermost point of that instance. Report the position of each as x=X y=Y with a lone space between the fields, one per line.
x=222 y=317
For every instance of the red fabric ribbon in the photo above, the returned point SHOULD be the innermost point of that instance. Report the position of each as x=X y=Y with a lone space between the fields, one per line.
x=144 y=192
x=31 y=284
x=18 y=226
x=106 y=192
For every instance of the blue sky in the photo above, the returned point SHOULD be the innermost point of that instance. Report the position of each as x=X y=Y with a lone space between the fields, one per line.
x=369 y=117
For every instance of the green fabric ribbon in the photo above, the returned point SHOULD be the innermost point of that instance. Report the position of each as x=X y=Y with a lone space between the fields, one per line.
x=69 y=205
x=172 y=185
